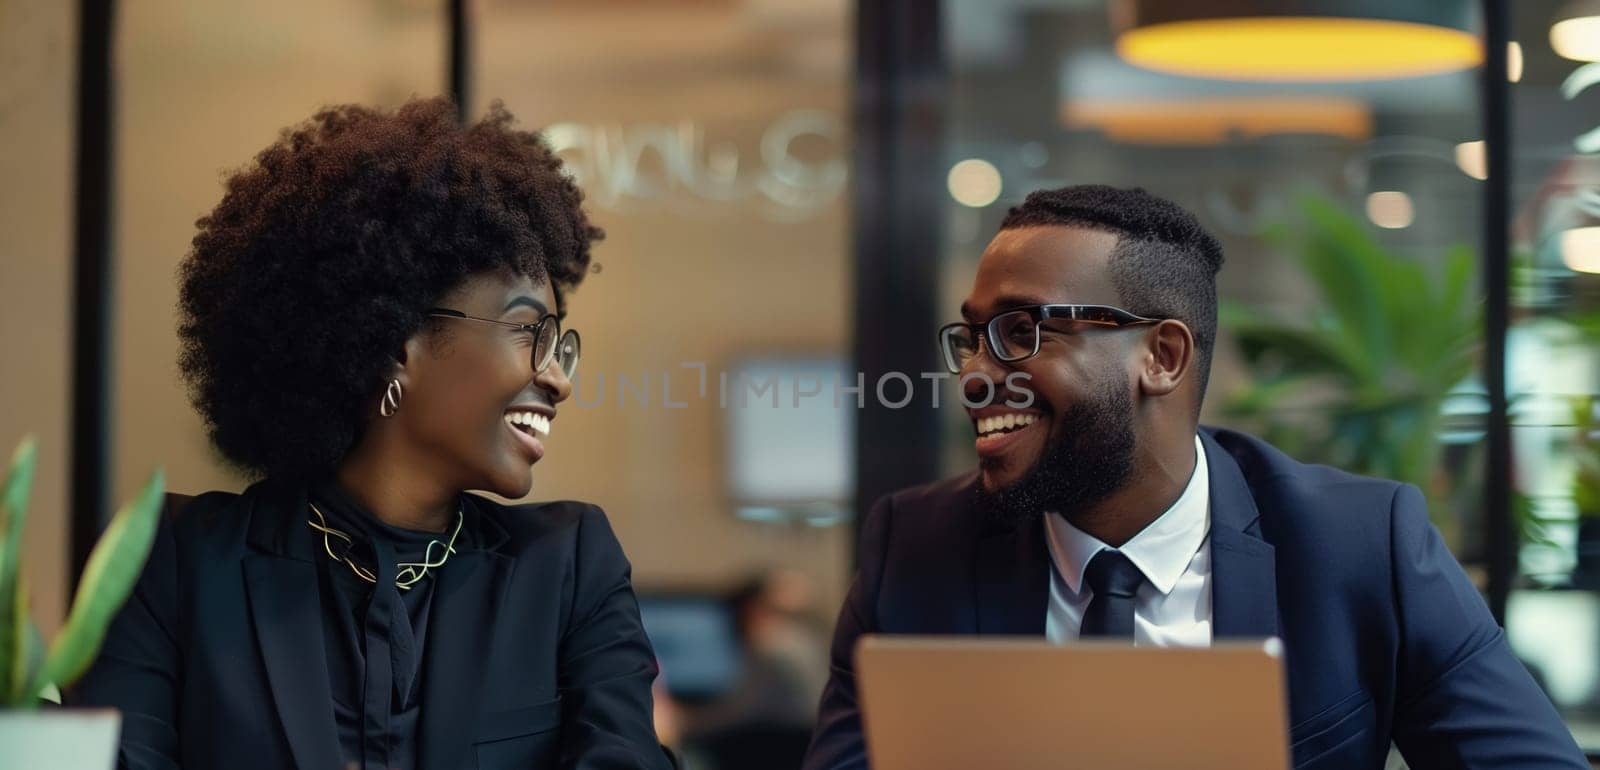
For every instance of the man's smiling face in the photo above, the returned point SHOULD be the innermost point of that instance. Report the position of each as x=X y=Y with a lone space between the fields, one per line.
x=1074 y=444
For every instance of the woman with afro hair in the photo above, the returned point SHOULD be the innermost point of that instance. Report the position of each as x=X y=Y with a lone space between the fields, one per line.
x=371 y=322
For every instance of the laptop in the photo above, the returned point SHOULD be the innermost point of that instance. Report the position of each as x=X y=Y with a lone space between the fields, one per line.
x=969 y=703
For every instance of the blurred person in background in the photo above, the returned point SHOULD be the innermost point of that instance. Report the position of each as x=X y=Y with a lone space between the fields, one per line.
x=764 y=722
x=371 y=325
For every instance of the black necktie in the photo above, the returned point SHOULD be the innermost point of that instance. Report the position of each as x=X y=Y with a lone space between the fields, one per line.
x=1114 y=581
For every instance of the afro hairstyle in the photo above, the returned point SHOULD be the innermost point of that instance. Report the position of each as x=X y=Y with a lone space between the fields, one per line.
x=326 y=252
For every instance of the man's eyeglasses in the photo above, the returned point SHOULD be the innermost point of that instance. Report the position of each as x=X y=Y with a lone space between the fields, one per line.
x=1014 y=334
x=549 y=344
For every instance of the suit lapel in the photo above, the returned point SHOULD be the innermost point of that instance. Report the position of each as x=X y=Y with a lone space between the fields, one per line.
x=1012 y=567
x=1244 y=596
x=1013 y=581
x=286 y=610
x=470 y=594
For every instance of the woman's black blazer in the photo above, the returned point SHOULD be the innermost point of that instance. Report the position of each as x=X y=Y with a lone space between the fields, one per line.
x=536 y=657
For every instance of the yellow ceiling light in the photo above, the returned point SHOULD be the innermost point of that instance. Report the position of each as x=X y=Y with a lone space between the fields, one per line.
x=1211 y=120
x=1284 y=42
x=1576 y=33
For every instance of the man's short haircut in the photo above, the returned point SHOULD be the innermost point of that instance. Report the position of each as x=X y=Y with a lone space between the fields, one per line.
x=1164 y=265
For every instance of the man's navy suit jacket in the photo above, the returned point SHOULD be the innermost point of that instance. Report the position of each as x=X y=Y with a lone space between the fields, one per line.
x=1385 y=638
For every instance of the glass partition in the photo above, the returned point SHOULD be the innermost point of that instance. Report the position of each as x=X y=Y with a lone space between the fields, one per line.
x=1553 y=356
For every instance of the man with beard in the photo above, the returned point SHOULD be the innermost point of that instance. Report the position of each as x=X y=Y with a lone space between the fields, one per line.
x=1102 y=509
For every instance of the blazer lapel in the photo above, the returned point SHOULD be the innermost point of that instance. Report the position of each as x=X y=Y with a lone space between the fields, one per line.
x=469 y=596
x=286 y=610
x=1244 y=596
x=1013 y=581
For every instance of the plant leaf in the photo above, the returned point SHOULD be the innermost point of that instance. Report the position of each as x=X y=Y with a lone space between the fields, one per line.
x=30 y=662
x=1264 y=396
x=1300 y=351
x=14 y=494
x=1346 y=266
x=113 y=569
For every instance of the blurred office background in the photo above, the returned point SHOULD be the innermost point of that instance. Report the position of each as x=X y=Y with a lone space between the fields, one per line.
x=798 y=190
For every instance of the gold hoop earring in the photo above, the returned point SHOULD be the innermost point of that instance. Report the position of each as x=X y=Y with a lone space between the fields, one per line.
x=391 y=399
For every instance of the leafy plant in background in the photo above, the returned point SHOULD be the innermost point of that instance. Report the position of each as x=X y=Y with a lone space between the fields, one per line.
x=1543 y=518
x=1586 y=456
x=26 y=669
x=1586 y=422
x=1359 y=383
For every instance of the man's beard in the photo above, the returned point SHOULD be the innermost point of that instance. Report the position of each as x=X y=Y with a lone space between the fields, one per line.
x=1089 y=456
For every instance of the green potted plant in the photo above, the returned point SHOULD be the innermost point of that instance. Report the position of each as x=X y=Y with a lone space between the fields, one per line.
x=30 y=672
x=1360 y=383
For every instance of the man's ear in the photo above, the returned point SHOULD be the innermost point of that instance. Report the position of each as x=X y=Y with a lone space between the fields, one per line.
x=1166 y=357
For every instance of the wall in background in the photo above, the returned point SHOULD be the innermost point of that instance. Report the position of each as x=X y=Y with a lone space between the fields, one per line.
x=38 y=54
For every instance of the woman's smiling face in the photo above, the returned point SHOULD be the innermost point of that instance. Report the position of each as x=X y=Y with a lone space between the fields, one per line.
x=473 y=404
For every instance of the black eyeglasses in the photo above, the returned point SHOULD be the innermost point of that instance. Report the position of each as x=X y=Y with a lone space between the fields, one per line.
x=1014 y=334
x=549 y=344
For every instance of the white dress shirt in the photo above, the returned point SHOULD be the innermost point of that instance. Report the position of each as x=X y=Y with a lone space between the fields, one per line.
x=1173 y=606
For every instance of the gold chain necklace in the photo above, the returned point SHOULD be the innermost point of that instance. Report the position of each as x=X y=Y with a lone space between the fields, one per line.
x=407 y=573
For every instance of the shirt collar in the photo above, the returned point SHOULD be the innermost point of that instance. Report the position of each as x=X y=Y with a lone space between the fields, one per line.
x=1162 y=550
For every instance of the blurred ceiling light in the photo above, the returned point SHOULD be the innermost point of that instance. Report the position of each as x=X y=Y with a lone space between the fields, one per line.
x=1215 y=120
x=1580 y=249
x=1295 y=40
x=1391 y=209
x=974 y=182
x=1473 y=159
x=1576 y=33
x=1514 y=61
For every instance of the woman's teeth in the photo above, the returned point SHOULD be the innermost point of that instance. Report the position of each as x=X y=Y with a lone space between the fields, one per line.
x=1004 y=422
x=529 y=421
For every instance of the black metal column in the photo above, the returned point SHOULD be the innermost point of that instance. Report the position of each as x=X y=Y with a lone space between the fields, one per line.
x=899 y=133
x=1502 y=540
x=460 y=54
x=92 y=280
